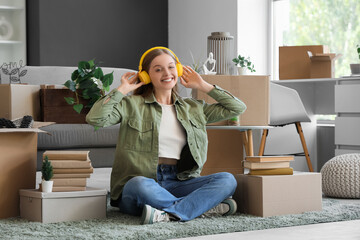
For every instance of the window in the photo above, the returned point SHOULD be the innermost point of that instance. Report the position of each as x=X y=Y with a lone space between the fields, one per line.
x=335 y=23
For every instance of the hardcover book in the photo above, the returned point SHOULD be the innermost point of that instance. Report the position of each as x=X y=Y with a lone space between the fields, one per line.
x=70 y=164
x=266 y=165
x=277 y=171
x=67 y=155
x=74 y=182
x=269 y=158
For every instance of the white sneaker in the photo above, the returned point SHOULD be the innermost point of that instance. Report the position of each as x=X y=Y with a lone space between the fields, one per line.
x=225 y=208
x=151 y=215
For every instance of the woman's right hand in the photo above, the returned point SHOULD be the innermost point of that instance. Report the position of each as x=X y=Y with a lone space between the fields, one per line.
x=129 y=82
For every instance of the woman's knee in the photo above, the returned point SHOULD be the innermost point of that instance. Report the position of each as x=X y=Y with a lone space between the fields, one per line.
x=138 y=184
x=228 y=181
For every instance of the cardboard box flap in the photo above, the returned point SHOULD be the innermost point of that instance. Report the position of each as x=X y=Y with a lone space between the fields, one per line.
x=322 y=57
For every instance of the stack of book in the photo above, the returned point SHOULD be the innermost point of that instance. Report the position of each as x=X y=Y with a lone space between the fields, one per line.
x=70 y=168
x=269 y=165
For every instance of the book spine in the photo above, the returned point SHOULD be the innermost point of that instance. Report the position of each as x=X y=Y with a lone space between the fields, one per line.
x=266 y=165
x=73 y=170
x=71 y=175
x=68 y=189
x=67 y=155
x=70 y=164
x=278 y=171
x=75 y=182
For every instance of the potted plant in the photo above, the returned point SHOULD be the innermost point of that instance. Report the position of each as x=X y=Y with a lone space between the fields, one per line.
x=244 y=64
x=47 y=174
x=355 y=67
x=87 y=82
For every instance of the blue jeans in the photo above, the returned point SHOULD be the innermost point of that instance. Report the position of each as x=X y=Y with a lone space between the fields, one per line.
x=184 y=199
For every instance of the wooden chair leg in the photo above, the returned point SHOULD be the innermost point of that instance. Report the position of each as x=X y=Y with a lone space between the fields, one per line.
x=263 y=141
x=302 y=138
x=245 y=142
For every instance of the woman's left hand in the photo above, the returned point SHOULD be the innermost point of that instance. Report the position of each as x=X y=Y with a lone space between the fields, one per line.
x=191 y=79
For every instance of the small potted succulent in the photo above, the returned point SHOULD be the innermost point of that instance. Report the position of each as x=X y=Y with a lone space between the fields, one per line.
x=47 y=174
x=355 y=67
x=89 y=83
x=243 y=64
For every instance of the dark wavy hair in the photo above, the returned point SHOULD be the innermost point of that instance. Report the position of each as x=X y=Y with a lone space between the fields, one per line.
x=147 y=89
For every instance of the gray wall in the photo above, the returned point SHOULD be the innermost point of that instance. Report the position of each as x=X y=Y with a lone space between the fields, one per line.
x=114 y=32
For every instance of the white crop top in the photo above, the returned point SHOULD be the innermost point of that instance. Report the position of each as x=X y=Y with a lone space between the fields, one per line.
x=172 y=137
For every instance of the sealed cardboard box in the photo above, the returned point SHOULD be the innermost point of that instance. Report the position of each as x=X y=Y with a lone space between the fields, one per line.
x=18 y=149
x=294 y=62
x=323 y=65
x=251 y=89
x=18 y=100
x=62 y=206
x=279 y=194
x=225 y=152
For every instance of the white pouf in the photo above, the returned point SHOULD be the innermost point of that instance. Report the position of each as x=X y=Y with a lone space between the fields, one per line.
x=341 y=176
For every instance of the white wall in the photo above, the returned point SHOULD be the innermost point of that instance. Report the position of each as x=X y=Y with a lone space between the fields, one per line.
x=254 y=33
x=192 y=21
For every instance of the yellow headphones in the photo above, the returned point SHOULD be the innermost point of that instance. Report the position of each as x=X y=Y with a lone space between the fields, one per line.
x=144 y=76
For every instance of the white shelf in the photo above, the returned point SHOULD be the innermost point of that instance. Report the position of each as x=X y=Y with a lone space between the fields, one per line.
x=13 y=47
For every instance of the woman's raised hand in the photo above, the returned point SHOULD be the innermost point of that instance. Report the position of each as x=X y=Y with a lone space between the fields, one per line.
x=129 y=82
x=191 y=79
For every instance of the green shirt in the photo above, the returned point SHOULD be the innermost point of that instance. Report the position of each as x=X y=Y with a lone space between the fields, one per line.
x=138 y=141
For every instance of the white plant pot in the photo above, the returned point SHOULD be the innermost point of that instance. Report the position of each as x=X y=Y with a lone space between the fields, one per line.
x=355 y=68
x=242 y=70
x=47 y=186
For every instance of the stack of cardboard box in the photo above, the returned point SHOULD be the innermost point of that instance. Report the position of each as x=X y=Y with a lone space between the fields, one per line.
x=70 y=168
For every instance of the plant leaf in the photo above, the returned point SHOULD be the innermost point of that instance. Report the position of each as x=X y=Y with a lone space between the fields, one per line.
x=91 y=64
x=70 y=85
x=78 y=107
x=83 y=65
x=69 y=100
x=98 y=73
x=75 y=75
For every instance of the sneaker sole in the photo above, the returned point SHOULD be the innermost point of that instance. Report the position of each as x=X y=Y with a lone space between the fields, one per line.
x=232 y=205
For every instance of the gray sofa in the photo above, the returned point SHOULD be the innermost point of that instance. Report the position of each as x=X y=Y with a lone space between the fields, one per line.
x=101 y=143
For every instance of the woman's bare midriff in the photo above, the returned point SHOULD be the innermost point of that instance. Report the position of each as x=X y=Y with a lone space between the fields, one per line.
x=167 y=161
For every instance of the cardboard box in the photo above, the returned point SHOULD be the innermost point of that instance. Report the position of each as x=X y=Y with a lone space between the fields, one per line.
x=251 y=89
x=323 y=65
x=279 y=194
x=18 y=100
x=62 y=206
x=54 y=108
x=18 y=157
x=225 y=152
x=294 y=62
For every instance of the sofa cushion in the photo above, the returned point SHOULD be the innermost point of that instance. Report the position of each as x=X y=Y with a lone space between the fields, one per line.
x=67 y=136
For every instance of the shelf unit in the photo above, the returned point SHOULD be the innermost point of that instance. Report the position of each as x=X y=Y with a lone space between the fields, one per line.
x=13 y=46
x=347 y=122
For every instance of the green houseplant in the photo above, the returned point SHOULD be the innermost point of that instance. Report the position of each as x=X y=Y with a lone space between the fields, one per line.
x=243 y=64
x=47 y=174
x=88 y=82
